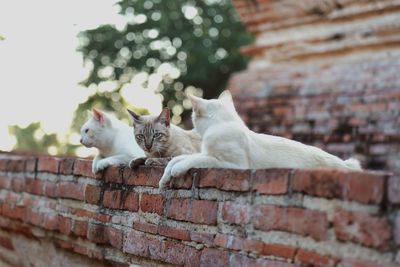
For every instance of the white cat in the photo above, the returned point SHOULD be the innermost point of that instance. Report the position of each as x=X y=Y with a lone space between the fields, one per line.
x=113 y=139
x=228 y=143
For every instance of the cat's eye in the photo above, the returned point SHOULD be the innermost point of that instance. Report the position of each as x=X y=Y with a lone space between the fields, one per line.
x=140 y=136
x=87 y=130
x=157 y=135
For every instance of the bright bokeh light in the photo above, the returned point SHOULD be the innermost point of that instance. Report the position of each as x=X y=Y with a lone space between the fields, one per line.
x=40 y=68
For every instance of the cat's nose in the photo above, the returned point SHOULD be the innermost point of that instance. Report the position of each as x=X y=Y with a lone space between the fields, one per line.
x=148 y=146
x=81 y=141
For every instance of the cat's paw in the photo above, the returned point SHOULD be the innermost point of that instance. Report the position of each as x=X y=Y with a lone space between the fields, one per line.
x=156 y=161
x=164 y=181
x=134 y=163
x=95 y=169
x=179 y=169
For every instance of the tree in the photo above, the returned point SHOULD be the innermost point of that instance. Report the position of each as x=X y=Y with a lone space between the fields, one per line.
x=183 y=45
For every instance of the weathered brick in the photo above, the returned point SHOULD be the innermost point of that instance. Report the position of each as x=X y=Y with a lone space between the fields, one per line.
x=315 y=259
x=214 y=257
x=362 y=187
x=178 y=208
x=65 y=225
x=97 y=233
x=79 y=249
x=48 y=164
x=136 y=244
x=225 y=179
x=241 y=260
x=394 y=189
x=113 y=174
x=32 y=217
x=131 y=201
x=362 y=228
x=63 y=244
x=172 y=252
x=143 y=175
x=6 y=242
x=114 y=236
x=271 y=181
x=174 y=233
x=191 y=257
x=204 y=238
x=183 y=182
x=3 y=162
x=71 y=190
x=51 y=221
x=236 y=213
x=80 y=228
x=66 y=166
x=11 y=211
x=33 y=186
x=51 y=189
x=16 y=164
x=237 y=243
x=17 y=184
x=151 y=203
x=83 y=167
x=146 y=227
x=348 y=262
x=5 y=182
x=30 y=164
x=278 y=250
x=92 y=194
x=295 y=220
x=204 y=211
x=112 y=199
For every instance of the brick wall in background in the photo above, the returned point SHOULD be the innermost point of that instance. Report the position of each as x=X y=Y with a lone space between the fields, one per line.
x=54 y=210
x=325 y=73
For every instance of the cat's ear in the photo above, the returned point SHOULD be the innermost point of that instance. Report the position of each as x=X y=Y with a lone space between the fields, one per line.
x=98 y=115
x=164 y=117
x=196 y=102
x=136 y=117
x=226 y=96
x=90 y=114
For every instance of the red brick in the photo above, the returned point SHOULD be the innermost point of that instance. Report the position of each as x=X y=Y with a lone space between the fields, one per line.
x=65 y=225
x=394 y=190
x=115 y=237
x=236 y=213
x=271 y=181
x=143 y=175
x=94 y=254
x=12 y=197
x=174 y=233
x=18 y=185
x=83 y=167
x=146 y=227
x=241 y=261
x=203 y=238
x=225 y=179
x=92 y=194
x=112 y=199
x=11 y=211
x=131 y=201
x=71 y=190
x=113 y=174
x=204 y=211
x=16 y=164
x=3 y=162
x=183 y=182
x=214 y=257
x=66 y=166
x=32 y=217
x=362 y=228
x=281 y=251
x=100 y=217
x=5 y=182
x=50 y=189
x=30 y=164
x=30 y=201
x=82 y=213
x=79 y=249
x=33 y=186
x=362 y=187
x=63 y=244
x=172 y=252
x=178 y=208
x=48 y=164
x=79 y=228
x=97 y=233
x=6 y=242
x=136 y=244
x=154 y=246
x=151 y=203
x=315 y=259
x=191 y=257
x=295 y=220
x=51 y=221
x=237 y=243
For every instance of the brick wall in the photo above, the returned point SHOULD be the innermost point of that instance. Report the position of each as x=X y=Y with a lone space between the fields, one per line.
x=54 y=210
x=325 y=73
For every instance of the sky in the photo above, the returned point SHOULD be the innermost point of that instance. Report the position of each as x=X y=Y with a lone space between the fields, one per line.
x=40 y=68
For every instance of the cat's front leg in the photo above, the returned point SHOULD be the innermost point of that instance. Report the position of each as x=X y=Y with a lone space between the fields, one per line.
x=157 y=161
x=95 y=164
x=167 y=172
x=134 y=163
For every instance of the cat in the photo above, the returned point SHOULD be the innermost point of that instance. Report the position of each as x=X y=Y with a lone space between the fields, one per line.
x=161 y=140
x=112 y=138
x=228 y=143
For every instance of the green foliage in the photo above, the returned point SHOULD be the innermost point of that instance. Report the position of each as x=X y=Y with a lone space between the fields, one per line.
x=198 y=39
x=33 y=138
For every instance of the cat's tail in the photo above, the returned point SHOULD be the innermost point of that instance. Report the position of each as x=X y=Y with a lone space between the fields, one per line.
x=353 y=163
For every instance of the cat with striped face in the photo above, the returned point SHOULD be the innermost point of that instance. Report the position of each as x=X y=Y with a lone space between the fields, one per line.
x=161 y=140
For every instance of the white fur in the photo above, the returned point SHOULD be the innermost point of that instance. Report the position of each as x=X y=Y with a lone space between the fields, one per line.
x=228 y=143
x=113 y=139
